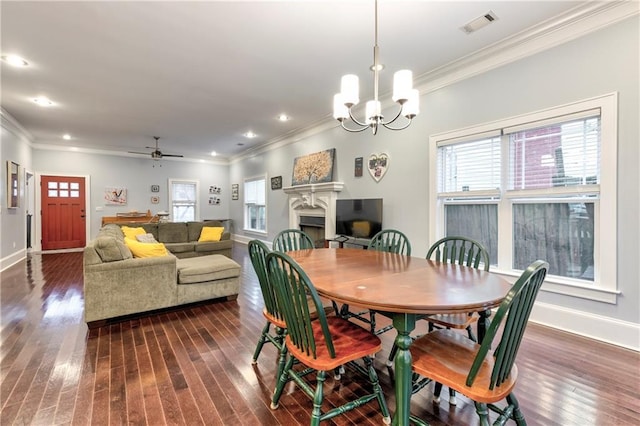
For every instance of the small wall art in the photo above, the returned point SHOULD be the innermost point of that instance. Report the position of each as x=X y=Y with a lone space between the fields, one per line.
x=155 y=188
x=235 y=189
x=214 y=189
x=115 y=196
x=357 y=170
x=276 y=182
x=314 y=168
x=214 y=201
x=378 y=165
x=155 y=199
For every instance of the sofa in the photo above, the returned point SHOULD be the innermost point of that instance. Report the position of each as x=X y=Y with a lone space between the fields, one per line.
x=181 y=238
x=117 y=284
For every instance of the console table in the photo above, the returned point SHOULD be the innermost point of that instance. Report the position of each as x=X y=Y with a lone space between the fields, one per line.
x=130 y=217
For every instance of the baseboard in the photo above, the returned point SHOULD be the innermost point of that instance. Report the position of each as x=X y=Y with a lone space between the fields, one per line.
x=12 y=259
x=605 y=329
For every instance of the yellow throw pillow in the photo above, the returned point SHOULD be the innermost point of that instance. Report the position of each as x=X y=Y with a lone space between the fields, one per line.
x=211 y=233
x=139 y=249
x=132 y=232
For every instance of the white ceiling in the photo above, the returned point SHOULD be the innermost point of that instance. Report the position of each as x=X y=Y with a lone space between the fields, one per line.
x=200 y=74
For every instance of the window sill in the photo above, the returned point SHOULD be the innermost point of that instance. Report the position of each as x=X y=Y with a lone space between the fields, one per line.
x=558 y=285
x=254 y=231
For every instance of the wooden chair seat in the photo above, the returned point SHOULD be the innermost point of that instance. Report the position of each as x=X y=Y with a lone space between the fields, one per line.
x=458 y=321
x=350 y=342
x=273 y=320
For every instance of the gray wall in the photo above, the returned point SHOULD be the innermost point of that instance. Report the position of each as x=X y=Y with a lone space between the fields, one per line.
x=137 y=175
x=599 y=63
x=14 y=146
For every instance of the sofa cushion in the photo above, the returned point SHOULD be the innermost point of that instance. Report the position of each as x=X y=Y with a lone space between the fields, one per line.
x=195 y=228
x=180 y=247
x=214 y=246
x=173 y=232
x=111 y=249
x=210 y=233
x=206 y=268
x=145 y=249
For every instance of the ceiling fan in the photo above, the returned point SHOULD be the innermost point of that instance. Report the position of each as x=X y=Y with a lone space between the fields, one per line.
x=156 y=154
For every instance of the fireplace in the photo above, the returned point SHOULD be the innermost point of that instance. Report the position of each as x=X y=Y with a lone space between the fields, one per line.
x=312 y=209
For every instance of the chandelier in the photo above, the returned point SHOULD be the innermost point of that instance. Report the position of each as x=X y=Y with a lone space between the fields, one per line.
x=403 y=93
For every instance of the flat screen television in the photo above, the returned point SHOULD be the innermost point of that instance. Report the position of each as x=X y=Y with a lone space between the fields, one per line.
x=360 y=218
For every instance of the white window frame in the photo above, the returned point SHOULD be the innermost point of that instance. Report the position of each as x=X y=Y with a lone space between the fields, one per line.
x=245 y=205
x=604 y=287
x=196 y=205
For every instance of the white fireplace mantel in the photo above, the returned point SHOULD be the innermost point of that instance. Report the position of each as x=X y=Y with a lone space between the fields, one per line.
x=314 y=199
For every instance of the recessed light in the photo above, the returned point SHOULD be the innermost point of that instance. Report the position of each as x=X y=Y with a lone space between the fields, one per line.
x=213 y=153
x=250 y=135
x=43 y=101
x=283 y=117
x=15 y=61
x=66 y=137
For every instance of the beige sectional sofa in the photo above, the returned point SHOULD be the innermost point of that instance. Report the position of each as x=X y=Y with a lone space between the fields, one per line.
x=117 y=284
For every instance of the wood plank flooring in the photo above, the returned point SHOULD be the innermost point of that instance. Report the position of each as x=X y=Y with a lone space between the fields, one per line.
x=192 y=365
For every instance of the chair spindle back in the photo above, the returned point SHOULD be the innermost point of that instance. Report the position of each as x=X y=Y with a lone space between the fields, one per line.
x=292 y=239
x=461 y=251
x=391 y=241
x=258 y=254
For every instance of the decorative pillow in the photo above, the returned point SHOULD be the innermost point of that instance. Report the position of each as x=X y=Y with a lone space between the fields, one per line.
x=146 y=238
x=110 y=249
x=145 y=249
x=211 y=233
x=132 y=232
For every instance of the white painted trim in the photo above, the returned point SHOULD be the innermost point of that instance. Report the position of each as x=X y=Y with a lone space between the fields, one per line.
x=12 y=259
x=604 y=329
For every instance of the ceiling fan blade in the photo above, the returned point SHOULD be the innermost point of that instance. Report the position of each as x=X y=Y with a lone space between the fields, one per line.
x=135 y=152
x=172 y=155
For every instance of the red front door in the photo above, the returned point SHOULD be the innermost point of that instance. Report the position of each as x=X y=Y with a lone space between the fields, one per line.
x=63 y=212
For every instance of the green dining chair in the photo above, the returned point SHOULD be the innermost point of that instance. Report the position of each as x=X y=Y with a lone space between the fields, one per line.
x=292 y=239
x=387 y=240
x=258 y=253
x=322 y=344
x=484 y=375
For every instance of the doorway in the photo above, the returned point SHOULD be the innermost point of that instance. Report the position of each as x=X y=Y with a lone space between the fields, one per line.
x=63 y=212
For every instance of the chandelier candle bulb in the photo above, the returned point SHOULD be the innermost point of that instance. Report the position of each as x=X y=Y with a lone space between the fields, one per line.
x=373 y=111
x=411 y=107
x=349 y=88
x=402 y=85
x=340 y=110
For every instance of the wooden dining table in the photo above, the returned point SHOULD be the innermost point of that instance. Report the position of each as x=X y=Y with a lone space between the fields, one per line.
x=404 y=288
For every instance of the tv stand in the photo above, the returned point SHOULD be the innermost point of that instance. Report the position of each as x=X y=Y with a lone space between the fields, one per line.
x=351 y=242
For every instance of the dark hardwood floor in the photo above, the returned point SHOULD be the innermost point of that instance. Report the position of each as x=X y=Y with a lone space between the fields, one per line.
x=192 y=365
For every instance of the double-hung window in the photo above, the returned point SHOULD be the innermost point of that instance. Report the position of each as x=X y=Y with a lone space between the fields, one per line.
x=183 y=199
x=538 y=186
x=255 y=206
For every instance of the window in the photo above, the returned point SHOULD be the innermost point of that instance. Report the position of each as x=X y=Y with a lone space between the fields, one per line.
x=183 y=199
x=255 y=208
x=539 y=186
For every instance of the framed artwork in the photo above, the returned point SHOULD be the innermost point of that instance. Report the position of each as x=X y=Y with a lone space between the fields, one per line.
x=357 y=170
x=314 y=168
x=214 y=189
x=155 y=188
x=214 y=201
x=276 y=182
x=378 y=165
x=13 y=185
x=115 y=196
x=155 y=199
x=235 y=189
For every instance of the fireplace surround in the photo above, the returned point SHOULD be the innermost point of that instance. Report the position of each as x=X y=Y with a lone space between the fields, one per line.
x=314 y=200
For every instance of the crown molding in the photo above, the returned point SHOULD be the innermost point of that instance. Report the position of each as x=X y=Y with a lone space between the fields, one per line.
x=12 y=125
x=563 y=28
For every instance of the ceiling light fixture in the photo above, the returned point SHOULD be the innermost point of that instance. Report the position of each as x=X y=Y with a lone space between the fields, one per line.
x=43 y=101
x=403 y=93
x=213 y=153
x=250 y=135
x=66 y=137
x=15 y=61
x=283 y=117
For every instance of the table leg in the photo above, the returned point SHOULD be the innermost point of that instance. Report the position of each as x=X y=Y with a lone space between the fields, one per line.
x=404 y=324
x=483 y=324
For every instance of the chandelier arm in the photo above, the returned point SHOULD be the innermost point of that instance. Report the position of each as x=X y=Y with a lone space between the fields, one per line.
x=352 y=130
x=394 y=118
x=355 y=120
x=397 y=128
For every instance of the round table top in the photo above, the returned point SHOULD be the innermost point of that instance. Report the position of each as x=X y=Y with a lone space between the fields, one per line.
x=396 y=283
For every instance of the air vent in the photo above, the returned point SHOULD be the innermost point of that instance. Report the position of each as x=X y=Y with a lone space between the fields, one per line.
x=479 y=22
